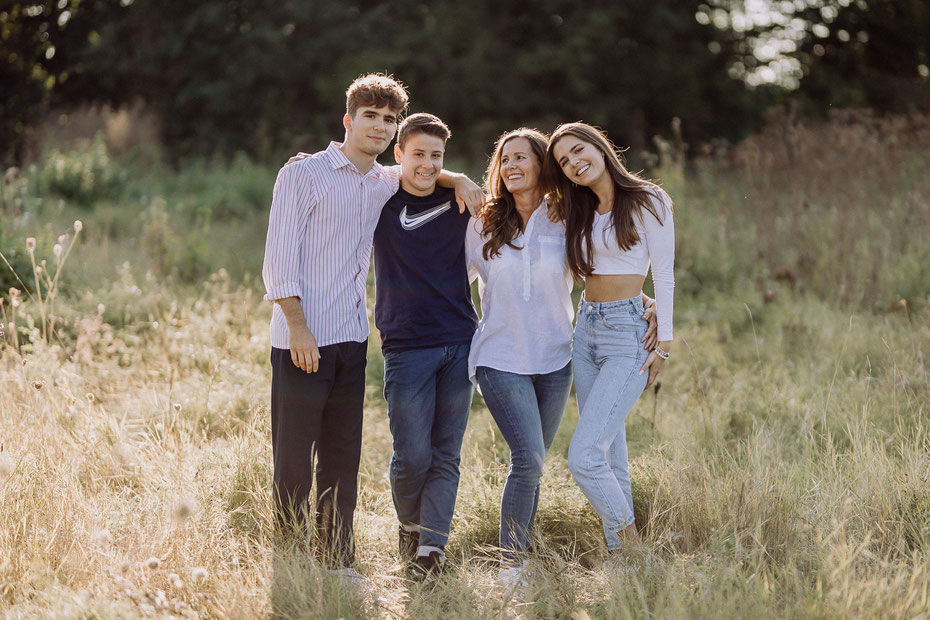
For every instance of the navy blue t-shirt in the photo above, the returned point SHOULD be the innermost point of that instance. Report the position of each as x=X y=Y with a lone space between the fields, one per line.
x=422 y=296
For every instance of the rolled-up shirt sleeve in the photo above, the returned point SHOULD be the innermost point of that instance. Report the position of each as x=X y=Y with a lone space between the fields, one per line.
x=291 y=204
x=660 y=241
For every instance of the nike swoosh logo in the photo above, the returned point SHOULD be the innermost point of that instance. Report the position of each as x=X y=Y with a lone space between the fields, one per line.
x=409 y=223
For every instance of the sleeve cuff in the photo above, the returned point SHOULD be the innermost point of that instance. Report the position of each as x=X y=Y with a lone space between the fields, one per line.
x=283 y=290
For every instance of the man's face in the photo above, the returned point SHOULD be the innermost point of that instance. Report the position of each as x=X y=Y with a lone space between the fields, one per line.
x=370 y=130
x=420 y=163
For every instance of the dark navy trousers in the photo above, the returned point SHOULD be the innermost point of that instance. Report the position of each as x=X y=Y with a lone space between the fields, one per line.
x=316 y=418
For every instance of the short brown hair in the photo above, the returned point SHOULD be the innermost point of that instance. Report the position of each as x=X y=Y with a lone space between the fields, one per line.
x=376 y=90
x=421 y=122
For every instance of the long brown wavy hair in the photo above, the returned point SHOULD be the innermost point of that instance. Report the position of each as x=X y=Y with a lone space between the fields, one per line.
x=500 y=219
x=576 y=204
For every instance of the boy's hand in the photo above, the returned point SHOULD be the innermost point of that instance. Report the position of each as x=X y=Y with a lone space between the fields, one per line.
x=297 y=157
x=468 y=194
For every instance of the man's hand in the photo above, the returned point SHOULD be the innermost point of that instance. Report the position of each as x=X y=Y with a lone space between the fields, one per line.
x=651 y=337
x=304 y=352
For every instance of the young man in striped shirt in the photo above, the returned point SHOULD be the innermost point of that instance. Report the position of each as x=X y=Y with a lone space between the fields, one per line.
x=317 y=253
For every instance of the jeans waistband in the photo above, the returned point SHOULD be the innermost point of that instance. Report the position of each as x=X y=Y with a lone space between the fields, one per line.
x=605 y=306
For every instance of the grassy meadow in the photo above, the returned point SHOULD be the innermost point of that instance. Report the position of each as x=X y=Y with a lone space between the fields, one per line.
x=779 y=470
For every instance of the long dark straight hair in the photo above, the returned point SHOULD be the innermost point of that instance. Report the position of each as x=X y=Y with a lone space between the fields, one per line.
x=576 y=204
x=500 y=220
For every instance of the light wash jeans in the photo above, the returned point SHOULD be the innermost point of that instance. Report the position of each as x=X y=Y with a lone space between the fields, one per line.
x=607 y=355
x=528 y=410
x=428 y=395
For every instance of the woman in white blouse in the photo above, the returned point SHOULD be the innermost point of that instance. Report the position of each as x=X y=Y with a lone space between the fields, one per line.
x=521 y=352
x=617 y=226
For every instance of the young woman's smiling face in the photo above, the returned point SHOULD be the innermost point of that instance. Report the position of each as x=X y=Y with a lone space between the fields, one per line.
x=580 y=161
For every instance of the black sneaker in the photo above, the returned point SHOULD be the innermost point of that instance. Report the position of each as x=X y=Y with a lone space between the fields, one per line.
x=407 y=543
x=430 y=565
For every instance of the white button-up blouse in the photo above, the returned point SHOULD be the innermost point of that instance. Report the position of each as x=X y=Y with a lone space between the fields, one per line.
x=526 y=304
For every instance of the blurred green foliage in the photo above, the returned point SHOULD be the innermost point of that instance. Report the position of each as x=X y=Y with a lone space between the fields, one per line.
x=83 y=176
x=268 y=77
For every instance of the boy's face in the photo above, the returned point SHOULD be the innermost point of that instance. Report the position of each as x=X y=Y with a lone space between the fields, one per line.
x=420 y=163
x=371 y=130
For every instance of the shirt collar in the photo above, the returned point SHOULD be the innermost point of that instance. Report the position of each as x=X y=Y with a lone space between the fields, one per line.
x=337 y=159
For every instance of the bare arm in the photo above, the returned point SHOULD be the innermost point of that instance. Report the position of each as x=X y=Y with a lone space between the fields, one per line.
x=467 y=193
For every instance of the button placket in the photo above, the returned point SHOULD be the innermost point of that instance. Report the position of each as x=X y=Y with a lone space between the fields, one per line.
x=527 y=264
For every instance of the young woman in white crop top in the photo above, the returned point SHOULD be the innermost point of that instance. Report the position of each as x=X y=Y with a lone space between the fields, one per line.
x=616 y=224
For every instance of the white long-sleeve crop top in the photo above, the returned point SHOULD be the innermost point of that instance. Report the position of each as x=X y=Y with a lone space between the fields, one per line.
x=656 y=246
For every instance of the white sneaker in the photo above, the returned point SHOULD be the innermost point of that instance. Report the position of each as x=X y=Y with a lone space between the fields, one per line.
x=513 y=580
x=348 y=576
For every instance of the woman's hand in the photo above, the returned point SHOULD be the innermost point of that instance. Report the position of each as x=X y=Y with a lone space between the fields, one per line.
x=654 y=363
x=651 y=338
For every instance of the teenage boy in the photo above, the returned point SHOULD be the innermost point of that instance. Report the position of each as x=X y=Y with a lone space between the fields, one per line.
x=323 y=214
x=424 y=312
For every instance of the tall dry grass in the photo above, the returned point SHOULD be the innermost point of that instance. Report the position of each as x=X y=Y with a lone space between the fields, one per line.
x=781 y=470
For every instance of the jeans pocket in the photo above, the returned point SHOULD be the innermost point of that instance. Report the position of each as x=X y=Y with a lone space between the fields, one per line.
x=620 y=321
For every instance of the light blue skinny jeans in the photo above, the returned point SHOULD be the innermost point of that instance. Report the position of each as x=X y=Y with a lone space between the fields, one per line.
x=606 y=358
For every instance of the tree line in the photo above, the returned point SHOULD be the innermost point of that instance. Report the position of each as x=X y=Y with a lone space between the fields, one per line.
x=267 y=78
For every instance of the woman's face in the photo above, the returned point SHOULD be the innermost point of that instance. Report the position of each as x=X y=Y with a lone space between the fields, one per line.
x=519 y=166
x=580 y=161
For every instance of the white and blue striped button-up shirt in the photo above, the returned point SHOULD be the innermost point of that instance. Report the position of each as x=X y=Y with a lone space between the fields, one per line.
x=323 y=214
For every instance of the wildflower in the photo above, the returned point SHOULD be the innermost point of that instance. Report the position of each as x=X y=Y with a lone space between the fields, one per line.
x=62 y=239
x=102 y=537
x=177 y=407
x=15 y=302
x=15 y=292
x=57 y=250
x=159 y=600
x=199 y=574
x=175 y=580
x=30 y=244
x=78 y=226
x=100 y=308
x=6 y=465
x=38 y=385
x=152 y=563
x=184 y=508
x=122 y=452
x=89 y=396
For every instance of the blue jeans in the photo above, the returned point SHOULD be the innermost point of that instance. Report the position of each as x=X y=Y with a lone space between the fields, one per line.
x=528 y=410
x=428 y=395
x=607 y=355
